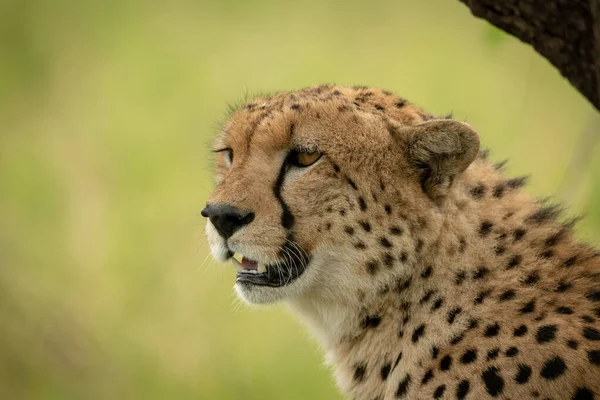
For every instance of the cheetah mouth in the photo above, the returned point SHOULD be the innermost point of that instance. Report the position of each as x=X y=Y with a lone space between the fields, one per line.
x=277 y=274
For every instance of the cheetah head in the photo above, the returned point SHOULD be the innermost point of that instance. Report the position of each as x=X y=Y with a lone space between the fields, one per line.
x=309 y=182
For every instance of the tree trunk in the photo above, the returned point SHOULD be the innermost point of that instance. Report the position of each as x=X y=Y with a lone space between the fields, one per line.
x=566 y=32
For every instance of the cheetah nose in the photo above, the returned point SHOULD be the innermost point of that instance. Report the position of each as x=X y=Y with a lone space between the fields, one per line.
x=226 y=218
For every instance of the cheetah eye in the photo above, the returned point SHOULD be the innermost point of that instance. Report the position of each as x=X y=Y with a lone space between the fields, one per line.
x=303 y=159
x=228 y=155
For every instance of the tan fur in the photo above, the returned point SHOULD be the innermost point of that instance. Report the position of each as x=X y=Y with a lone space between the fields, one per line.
x=403 y=225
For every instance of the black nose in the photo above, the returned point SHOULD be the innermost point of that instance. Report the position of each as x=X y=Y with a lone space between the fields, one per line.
x=226 y=219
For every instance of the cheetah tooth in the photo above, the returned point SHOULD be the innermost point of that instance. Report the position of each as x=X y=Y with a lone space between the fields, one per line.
x=237 y=265
x=262 y=268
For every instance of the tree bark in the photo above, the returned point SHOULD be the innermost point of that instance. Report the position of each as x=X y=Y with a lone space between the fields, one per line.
x=565 y=32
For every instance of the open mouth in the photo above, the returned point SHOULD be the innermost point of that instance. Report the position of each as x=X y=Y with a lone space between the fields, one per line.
x=277 y=274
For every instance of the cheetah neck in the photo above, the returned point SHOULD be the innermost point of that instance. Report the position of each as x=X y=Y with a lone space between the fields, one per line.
x=488 y=234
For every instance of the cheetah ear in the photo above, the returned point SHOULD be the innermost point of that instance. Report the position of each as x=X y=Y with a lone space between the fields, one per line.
x=439 y=150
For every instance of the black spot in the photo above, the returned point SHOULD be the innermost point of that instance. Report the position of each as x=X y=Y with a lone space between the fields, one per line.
x=379 y=107
x=553 y=368
x=419 y=246
x=507 y=295
x=528 y=308
x=482 y=296
x=365 y=225
x=427 y=273
x=541 y=316
x=462 y=245
x=396 y=230
x=499 y=190
x=295 y=107
x=591 y=333
x=388 y=209
x=427 y=296
x=478 y=191
x=516 y=183
x=400 y=104
x=546 y=333
x=570 y=261
x=446 y=363
x=469 y=356
x=532 y=278
x=518 y=234
x=520 y=331
x=372 y=267
x=328 y=226
x=403 y=387
x=511 y=352
x=360 y=245
x=427 y=377
x=385 y=242
x=403 y=256
x=418 y=333
x=492 y=330
x=342 y=212
x=457 y=338
x=397 y=361
x=385 y=371
x=473 y=323
x=597 y=311
x=514 y=261
x=459 y=277
x=499 y=250
x=349 y=230
x=437 y=304
x=453 y=313
x=403 y=285
x=336 y=168
x=544 y=214
x=564 y=310
x=362 y=204
x=563 y=286
x=485 y=228
x=593 y=295
x=359 y=372
x=351 y=183
x=594 y=356
x=493 y=381
x=493 y=353
x=547 y=254
x=573 y=344
x=481 y=272
x=583 y=394
x=462 y=389
x=588 y=319
x=434 y=352
x=523 y=374
x=371 y=321
x=439 y=391
x=388 y=260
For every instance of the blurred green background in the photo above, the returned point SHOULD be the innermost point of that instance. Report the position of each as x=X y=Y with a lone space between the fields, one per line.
x=107 y=108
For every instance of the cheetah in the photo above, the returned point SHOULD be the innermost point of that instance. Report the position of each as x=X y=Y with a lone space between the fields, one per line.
x=422 y=269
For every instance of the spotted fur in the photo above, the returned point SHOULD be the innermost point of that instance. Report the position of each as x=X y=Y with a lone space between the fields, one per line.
x=429 y=274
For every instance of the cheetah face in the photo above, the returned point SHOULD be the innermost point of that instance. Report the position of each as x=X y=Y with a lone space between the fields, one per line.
x=298 y=177
x=267 y=215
